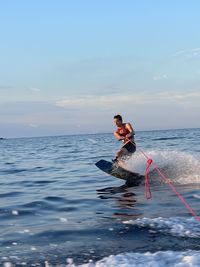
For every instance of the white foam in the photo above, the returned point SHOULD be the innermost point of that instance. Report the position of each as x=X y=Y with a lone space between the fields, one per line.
x=64 y=220
x=181 y=167
x=33 y=248
x=196 y=196
x=158 y=259
x=184 y=227
x=8 y=264
x=15 y=212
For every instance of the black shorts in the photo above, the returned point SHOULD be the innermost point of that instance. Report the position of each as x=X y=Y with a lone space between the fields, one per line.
x=130 y=147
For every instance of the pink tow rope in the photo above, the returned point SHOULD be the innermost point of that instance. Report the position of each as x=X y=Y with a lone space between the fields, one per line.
x=147 y=185
x=148 y=190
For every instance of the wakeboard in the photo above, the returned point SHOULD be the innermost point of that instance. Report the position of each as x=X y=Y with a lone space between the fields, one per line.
x=117 y=171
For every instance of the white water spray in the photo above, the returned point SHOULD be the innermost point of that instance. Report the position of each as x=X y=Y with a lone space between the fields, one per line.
x=179 y=167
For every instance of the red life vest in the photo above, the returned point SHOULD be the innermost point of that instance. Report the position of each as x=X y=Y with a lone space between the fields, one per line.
x=123 y=131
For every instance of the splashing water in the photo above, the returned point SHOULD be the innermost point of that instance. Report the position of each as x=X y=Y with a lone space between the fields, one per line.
x=179 y=167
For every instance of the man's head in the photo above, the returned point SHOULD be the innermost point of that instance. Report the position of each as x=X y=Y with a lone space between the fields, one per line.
x=118 y=120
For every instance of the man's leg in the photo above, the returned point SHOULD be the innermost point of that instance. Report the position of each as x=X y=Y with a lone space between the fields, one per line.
x=122 y=152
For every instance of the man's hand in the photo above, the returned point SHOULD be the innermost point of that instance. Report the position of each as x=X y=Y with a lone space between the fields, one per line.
x=122 y=139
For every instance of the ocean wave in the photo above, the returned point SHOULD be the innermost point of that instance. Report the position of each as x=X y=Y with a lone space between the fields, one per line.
x=188 y=258
x=181 y=227
x=158 y=259
x=169 y=138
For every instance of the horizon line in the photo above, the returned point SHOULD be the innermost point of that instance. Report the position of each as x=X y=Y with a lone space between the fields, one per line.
x=75 y=134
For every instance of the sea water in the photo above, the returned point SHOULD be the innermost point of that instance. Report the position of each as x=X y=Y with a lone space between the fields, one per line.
x=58 y=209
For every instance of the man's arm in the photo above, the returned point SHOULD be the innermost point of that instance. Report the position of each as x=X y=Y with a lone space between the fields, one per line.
x=130 y=129
x=118 y=136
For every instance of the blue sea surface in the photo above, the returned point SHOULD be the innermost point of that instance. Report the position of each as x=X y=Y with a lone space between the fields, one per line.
x=58 y=209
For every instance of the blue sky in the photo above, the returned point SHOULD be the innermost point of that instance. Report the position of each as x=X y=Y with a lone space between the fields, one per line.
x=69 y=66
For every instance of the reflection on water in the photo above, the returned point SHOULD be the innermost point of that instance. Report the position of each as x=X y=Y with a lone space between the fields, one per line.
x=113 y=190
x=125 y=201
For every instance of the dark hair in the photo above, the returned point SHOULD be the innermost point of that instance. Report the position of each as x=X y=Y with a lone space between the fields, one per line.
x=119 y=117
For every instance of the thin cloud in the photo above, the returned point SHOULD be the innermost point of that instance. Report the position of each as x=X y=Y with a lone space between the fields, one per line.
x=160 y=77
x=6 y=87
x=189 y=53
x=33 y=125
x=34 y=89
x=110 y=101
x=95 y=101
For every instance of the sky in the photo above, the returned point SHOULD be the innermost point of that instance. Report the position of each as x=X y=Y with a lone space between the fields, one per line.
x=69 y=66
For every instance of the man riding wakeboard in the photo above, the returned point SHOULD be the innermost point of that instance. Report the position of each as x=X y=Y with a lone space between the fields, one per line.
x=124 y=133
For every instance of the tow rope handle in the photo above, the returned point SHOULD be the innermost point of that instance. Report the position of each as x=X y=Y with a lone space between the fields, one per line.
x=147 y=190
